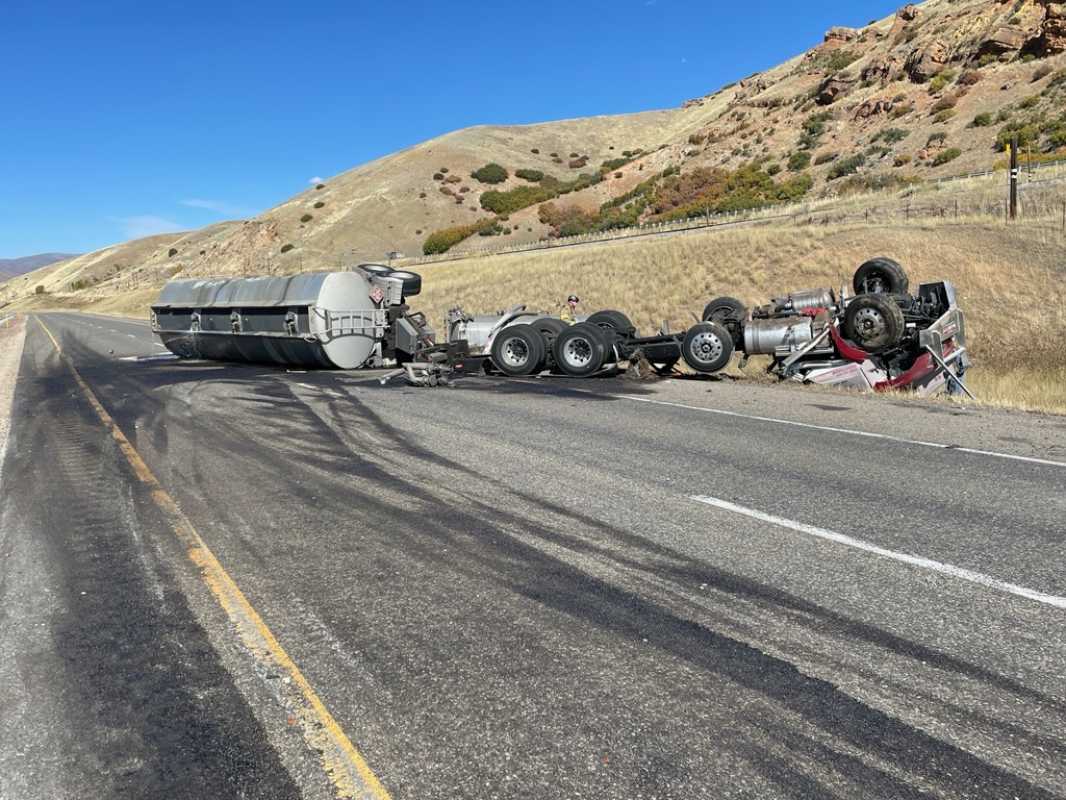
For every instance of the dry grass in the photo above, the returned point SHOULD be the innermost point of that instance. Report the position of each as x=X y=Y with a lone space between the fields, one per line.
x=1008 y=278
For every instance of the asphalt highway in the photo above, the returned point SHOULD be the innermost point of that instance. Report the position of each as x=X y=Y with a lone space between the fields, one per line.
x=269 y=583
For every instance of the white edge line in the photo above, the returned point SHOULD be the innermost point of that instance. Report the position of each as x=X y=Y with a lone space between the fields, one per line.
x=849 y=431
x=916 y=561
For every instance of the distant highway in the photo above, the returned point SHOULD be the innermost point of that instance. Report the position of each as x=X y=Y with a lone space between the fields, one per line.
x=233 y=581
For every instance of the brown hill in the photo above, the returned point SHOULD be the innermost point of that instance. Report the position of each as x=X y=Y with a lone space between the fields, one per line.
x=921 y=94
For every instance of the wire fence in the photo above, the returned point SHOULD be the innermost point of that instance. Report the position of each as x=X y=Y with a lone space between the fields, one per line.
x=873 y=207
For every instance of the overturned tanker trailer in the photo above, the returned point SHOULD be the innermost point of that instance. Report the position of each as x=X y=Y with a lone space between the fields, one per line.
x=331 y=320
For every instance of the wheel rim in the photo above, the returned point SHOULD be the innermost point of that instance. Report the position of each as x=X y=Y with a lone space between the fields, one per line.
x=515 y=352
x=577 y=352
x=870 y=324
x=706 y=347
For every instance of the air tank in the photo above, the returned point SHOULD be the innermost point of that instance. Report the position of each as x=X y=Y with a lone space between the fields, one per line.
x=317 y=319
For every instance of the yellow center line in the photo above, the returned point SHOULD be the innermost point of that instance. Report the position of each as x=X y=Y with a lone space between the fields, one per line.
x=345 y=766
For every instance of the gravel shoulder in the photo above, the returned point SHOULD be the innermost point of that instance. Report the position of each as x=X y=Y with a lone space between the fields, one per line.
x=12 y=334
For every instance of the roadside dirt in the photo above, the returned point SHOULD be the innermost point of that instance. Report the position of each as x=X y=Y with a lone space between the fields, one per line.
x=12 y=333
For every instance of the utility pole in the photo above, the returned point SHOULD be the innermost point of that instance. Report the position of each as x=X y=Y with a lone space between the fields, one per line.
x=1013 y=178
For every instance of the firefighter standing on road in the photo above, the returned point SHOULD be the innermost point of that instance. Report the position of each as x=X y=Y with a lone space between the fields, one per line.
x=569 y=312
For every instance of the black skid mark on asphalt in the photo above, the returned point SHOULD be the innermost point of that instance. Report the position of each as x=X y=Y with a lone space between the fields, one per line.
x=475 y=536
x=152 y=711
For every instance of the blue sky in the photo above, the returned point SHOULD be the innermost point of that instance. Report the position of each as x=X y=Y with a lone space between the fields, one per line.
x=125 y=118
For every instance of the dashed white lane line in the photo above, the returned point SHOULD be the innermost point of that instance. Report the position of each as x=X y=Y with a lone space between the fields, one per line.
x=849 y=431
x=905 y=558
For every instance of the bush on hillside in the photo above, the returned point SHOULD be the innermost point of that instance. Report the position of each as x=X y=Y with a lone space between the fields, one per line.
x=982 y=120
x=936 y=138
x=490 y=173
x=890 y=135
x=825 y=158
x=946 y=156
x=847 y=166
x=1030 y=102
x=799 y=161
x=940 y=80
x=306 y=218
x=445 y=239
x=531 y=175
x=285 y=248
x=319 y=204
x=944 y=116
x=970 y=78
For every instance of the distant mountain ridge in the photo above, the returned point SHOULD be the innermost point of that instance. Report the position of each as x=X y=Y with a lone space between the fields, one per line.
x=13 y=267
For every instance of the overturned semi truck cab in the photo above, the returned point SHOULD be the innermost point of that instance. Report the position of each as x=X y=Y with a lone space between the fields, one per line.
x=327 y=320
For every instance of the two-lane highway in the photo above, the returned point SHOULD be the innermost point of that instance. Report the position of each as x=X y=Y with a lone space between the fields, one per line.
x=547 y=589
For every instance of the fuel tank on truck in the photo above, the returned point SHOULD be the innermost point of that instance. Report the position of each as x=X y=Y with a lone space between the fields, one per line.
x=315 y=319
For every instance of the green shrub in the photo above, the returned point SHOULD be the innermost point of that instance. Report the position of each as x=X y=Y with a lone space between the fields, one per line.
x=847 y=166
x=438 y=176
x=612 y=164
x=535 y=151
x=902 y=160
x=825 y=158
x=516 y=199
x=799 y=161
x=945 y=156
x=1041 y=72
x=944 y=116
x=773 y=169
x=531 y=175
x=319 y=186
x=287 y=247
x=841 y=59
x=1030 y=102
x=173 y=251
x=936 y=138
x=319 y=204
x=982 y=120
x=890 y=135
x=444 y=170
x=38 y=289
x=445 y=239
x=901 y=111
x=490 y=173
x=813 y=128
x=306 y=218
x=1027 y=133
x=940 y=80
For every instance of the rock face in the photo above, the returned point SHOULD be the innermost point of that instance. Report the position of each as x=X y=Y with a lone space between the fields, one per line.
x=925 y=62
x=879 y=69
x=841 y=35
x=1004 y=40
x=908 y=13
x=832 y=89
x=1053 y=38
x=872 y=108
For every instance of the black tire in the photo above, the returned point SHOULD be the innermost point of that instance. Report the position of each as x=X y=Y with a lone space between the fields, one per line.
x=614 y=320
x=412 y=281
x=874 y=322
x=880 y=276
x=730 y=313
x=707 y=347
x=549 y=329
x=518 y=350
x=581 y=350
x=376 y=269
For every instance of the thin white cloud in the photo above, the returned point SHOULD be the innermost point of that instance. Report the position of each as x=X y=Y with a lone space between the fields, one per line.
x=139 y=226
x=219 y=207
x=315 y=180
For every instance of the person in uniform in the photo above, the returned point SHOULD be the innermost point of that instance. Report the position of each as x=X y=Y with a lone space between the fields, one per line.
x=569 y=312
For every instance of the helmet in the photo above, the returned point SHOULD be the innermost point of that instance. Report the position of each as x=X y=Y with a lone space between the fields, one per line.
x=573 y=299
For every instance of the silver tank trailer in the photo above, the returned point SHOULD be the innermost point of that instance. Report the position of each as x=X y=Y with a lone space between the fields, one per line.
x=318 y=319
